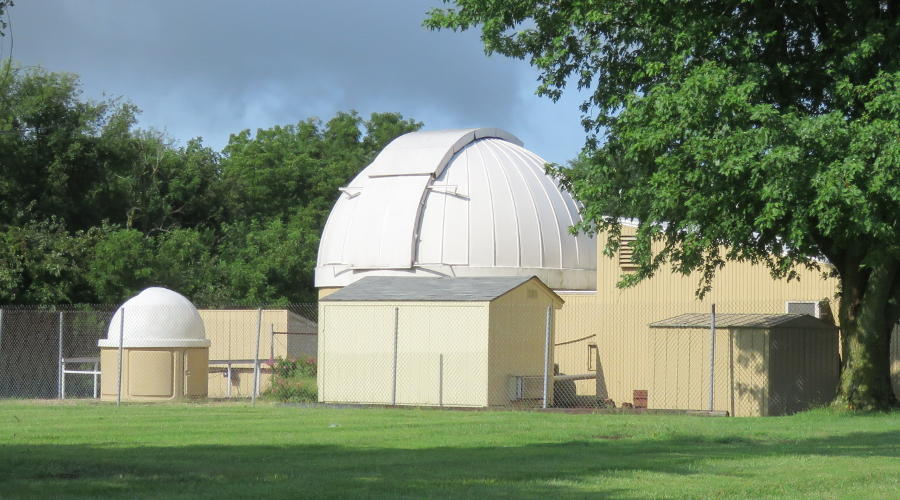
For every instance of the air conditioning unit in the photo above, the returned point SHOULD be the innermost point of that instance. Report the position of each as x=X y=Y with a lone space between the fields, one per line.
x=522 y=387
x=812 y=308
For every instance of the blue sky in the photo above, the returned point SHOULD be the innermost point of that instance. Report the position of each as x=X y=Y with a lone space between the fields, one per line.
x=211 y=68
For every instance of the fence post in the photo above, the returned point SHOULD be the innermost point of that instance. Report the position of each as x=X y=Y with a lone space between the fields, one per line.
x=547 y=373
x=394 y=374
x=60 y=380
x=1 y=331
x=731 y=366
x=712 y=356
x=256 y=356
x=228 y=383
x=272 y=343
x=121 y=351
x=441 y=380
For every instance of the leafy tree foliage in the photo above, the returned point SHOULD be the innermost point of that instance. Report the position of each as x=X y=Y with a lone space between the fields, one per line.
x=4 y=6
x=734 y=130
x=93 y=210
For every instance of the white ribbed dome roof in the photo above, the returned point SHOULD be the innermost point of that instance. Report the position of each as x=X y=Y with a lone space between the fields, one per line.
x=455 y=203
x=156 y=317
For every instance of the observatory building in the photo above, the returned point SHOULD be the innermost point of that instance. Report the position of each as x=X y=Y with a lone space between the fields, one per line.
x=416 y=241
x=455 y=203
x=164 y=349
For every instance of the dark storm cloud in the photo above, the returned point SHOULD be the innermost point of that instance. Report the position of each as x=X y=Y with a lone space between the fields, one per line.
x=204 y=68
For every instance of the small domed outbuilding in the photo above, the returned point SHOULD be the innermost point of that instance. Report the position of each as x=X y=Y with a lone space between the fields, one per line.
x=165 y=352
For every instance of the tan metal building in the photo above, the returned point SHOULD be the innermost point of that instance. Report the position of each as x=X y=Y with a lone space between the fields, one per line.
x=284 y=334
x=477 y=203
x=765 y=364
x=467 y=342
x=605 y=332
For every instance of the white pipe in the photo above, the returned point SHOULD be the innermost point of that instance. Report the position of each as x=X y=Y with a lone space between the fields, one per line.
x=582 y=376
x=228 y=383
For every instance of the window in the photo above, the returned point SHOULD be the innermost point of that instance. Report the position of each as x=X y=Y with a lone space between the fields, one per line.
x=592 y=357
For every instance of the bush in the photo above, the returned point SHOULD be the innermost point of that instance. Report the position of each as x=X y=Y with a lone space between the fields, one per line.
x=293 y=381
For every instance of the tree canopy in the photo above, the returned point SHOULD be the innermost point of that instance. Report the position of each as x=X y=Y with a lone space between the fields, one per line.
x=93 y=209
x=733 y=130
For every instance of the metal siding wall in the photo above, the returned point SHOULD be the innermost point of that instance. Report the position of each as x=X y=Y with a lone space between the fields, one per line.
x=804 y=369
x=517 y=337
x=355 y=353
x=456 y=333
x=232 y=335
x=620 y=317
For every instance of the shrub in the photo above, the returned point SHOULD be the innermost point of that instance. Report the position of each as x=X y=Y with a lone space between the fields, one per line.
x=293 y=381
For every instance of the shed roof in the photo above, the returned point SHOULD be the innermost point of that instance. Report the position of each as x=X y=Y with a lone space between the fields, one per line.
x=399 y=288
x=702 y=320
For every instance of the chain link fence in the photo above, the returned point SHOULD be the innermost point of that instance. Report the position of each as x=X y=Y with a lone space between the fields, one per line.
x=583 y=355
x=54 y=352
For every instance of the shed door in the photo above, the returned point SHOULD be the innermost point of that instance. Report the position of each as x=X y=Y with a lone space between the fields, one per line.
x=196 y=366
x=442 y=355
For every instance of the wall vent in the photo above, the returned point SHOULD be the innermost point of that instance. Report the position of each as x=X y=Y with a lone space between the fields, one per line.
x=626 y=252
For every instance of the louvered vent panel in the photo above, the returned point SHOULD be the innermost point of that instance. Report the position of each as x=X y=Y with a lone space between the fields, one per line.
x=626 y=252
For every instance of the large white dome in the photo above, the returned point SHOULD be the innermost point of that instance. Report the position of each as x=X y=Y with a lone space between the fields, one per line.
x=455 y=203
x=156 y=317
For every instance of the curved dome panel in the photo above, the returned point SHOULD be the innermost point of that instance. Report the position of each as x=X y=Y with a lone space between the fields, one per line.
x=455 y=203
x=156 y=317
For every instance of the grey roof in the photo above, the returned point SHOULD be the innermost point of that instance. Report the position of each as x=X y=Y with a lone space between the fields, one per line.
x=402 y=288
x=702 y=320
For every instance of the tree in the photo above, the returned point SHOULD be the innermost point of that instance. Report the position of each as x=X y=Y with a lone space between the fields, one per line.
x=734 y=130
x=4 y=6
x=61 y=155
x=42 y=262
x=286 y=167
x=93 y=209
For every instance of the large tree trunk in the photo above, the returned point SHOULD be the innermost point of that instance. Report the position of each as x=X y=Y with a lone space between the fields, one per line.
x=869 y=308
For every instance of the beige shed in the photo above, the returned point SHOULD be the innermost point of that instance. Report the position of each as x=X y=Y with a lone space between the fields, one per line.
x=764 y=364
x=465 y=342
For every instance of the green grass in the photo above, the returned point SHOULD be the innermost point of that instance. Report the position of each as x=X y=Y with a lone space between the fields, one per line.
x=235 y=450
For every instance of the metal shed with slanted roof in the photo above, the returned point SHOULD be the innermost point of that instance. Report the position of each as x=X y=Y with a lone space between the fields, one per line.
x=765 y=364
x=466 y=342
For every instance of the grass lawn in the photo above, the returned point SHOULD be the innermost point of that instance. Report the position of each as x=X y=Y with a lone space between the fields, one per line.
x=235 y=450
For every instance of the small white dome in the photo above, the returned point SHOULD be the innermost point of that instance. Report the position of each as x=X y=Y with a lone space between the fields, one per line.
x=156 y=317
x=456 y=203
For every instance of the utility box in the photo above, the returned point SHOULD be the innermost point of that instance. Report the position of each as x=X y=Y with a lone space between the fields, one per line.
x=466 y=342
x=164 y=350
x=764 y=364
